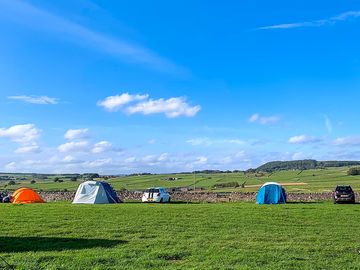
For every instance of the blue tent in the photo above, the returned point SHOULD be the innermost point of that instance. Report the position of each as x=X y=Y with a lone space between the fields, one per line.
x=271 y=193
x=92 y=192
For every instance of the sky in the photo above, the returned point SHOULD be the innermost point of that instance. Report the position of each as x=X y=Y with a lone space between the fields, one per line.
x=118 y=87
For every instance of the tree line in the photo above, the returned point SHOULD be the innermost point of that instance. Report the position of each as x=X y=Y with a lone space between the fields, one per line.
x=308 y=164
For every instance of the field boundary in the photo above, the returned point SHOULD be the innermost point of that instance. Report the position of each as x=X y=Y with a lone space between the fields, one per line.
x=210 y=197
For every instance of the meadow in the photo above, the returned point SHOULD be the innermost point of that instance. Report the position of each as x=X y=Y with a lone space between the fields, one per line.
x=180 y=236
x=323 y=180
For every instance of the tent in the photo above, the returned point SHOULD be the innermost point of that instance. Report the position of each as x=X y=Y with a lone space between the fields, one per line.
x=271 y=193
x=93 y=192
x=26 y=195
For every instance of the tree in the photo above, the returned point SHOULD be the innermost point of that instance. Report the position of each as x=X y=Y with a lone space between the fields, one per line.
x=11 y=183
x=32 y=182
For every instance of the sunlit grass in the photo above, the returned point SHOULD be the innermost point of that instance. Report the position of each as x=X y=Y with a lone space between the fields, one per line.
x=181 y=236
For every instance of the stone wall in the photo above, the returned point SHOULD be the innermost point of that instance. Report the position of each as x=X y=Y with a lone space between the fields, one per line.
x=210 y=197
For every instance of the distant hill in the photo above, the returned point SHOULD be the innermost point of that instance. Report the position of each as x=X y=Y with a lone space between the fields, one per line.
x=307 y=164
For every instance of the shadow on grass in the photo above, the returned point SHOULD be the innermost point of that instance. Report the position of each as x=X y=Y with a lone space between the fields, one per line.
x=319 y=202
x=26 y=244
x=172 y=202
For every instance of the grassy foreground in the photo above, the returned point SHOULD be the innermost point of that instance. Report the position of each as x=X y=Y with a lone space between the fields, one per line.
x=180 y=236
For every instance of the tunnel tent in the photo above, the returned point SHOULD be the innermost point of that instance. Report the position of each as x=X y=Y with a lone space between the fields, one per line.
x=271 y=193
x=94 y=192
x=26 y=196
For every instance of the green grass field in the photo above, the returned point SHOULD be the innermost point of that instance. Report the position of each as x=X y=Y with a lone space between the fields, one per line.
x=180 y=236
x=295 y=181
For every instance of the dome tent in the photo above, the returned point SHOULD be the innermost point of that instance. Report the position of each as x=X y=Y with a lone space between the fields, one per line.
x=271 y=193
x=26 y=195
x=93 y=192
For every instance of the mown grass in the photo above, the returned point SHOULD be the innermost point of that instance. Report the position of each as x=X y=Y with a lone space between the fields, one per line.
x=180 y=236
x=315 y=181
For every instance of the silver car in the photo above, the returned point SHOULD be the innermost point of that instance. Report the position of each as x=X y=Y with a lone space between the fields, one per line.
x=156 y=195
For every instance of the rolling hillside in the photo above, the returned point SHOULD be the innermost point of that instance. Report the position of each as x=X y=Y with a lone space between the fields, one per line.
x=317 y=180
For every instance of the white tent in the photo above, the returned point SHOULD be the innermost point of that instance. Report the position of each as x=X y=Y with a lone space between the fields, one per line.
x=92 y=192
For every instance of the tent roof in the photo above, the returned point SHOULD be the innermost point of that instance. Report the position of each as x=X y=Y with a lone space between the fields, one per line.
x=271 y=184
x=26 y=195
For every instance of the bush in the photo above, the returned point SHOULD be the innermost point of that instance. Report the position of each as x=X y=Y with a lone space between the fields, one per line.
x=354 y=171
x=11 y=183
x=32 y=182
x=73 y=179
x=227 y=185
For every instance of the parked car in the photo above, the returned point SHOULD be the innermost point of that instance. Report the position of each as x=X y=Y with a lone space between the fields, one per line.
x=156 y=195
x=344 y=194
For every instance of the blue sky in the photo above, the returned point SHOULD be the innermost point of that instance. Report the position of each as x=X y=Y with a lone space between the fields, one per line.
x=168 y=86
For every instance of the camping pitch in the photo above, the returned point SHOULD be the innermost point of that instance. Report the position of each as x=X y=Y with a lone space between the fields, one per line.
x=271 y=193
x=26 y=195
x=92 y=192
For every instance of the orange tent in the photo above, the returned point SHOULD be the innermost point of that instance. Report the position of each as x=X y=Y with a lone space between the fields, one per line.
x=26 y=195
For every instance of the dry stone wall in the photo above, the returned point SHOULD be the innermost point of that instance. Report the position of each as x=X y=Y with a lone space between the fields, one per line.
x=210 y=197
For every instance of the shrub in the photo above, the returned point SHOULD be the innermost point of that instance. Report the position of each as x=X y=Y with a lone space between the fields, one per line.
x=32 y=182
x=227 y=185
x=354 y=171
x=11 y=183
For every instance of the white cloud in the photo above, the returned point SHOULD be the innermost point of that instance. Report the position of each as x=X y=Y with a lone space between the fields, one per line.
x=303 y=139
x=69 y=159
x=113 y=103
x=316 y=23
x=28 y=149
x=41 y=100
x=236 y=158
x=81 y=146
x=201 y=160
x=299 y=156
x=75 y=134
x=97 y=163
x=21 y=133
x=207 y=141
x=101 y=147
x=263 y=120
x=234 y=141
x=172 y=107
x=152 y=141
x=39 y=19
x=200 y=141
x=11 y=166
x=130 y=160
x=350 y=140
x=163 y=157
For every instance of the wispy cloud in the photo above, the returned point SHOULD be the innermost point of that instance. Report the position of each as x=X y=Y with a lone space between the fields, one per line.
x=207 y=141
x=347 y=141
x=39 y=19
x=41 y=100
x=304 y=139
x=328 y=124
x=315 y=23
x=264 y=120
